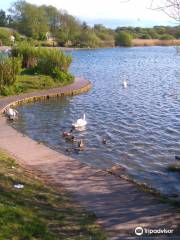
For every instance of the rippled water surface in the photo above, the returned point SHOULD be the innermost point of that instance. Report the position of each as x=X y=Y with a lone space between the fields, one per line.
x=141 y=123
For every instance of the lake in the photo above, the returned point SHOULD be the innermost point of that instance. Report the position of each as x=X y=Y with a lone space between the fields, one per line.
x=141 y=123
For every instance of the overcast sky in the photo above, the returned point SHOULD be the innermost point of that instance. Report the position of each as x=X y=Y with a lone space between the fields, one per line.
x=111 y=13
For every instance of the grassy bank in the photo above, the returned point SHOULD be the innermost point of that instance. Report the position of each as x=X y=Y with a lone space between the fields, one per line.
x=29 y=83
x=27 y=68
x=38 y=211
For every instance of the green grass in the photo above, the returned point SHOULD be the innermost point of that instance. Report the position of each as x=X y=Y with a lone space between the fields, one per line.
x=38 y=211
x=28 y=83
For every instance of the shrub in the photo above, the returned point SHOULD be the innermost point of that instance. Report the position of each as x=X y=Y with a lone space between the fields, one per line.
x=49 y=59
x=88 y=39
x=9 y=68
x=145 y=36
x=166 y=37
x=44 y=61
x=62 y=76
x=123 y=39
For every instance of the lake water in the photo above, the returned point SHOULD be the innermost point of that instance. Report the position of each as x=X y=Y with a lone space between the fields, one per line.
x=141 y=123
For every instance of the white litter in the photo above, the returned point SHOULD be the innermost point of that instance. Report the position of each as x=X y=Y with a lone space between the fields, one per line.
x=19 y=186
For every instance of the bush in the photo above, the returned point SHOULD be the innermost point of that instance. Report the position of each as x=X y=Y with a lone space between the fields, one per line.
x=123 y=39
x=88 y=39
x=9 y=68
x=62 y=76
x=166 y=37
x=145 y=36
x=44 y=61
x=49 y=59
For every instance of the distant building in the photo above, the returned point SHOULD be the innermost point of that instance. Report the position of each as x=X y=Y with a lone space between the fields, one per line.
x=50 y=37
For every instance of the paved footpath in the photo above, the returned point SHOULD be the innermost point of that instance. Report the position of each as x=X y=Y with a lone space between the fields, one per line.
x=118 y=204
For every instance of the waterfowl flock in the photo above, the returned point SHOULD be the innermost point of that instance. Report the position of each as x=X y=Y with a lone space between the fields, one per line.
x=78 y=144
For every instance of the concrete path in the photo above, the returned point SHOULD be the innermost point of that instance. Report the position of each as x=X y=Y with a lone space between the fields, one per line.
x=79 y=86
x=119 y=205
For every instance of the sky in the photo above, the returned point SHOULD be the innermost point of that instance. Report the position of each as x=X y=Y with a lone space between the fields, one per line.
x=111 y=13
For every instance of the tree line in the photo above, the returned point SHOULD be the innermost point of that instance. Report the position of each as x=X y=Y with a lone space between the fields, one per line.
x=35 y=21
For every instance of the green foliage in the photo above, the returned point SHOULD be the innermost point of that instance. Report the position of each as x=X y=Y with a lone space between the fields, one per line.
x=53 y=16
x=28 y=54
x=166 y=37
x=88 y=38
x=35 y=22
x=35 y=60
x=29 y=83
x=123 y=39
x=9 y=68
x=145 y=36
x=49 y=59
x=29 y=19
x=45 y=61
x=5 y=37
x=62 y=76
x=67 y=31
x=157 y=32
x=3 y=19
x=17 y=36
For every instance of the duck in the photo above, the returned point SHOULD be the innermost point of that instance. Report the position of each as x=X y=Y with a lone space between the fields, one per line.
x=67 y=134
x=104 y=141
x=80 y=144
x=125 y=83
x=11 y=113
x=80 y=122
x=70 y=138
x=177 y=157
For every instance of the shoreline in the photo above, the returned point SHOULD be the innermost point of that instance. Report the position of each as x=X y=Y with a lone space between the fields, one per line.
x=77 y=87
x=94 y=189
x=135 y=43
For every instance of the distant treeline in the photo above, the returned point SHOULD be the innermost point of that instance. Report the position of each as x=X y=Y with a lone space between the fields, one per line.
x=43 y=23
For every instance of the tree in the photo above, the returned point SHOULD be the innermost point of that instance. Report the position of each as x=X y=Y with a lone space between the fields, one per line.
x=53 y=17
x=29 y=19
x=169 y=7
x=3 y=19
x=123 y=39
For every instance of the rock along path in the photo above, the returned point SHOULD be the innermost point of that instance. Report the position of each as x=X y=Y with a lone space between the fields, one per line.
x=120 y=206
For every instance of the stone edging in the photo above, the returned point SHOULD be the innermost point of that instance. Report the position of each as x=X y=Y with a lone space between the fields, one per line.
x=79 y=86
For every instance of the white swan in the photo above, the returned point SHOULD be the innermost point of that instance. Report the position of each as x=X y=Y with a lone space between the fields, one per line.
x=125 y=83
x=11 y=113
x=80 y=122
